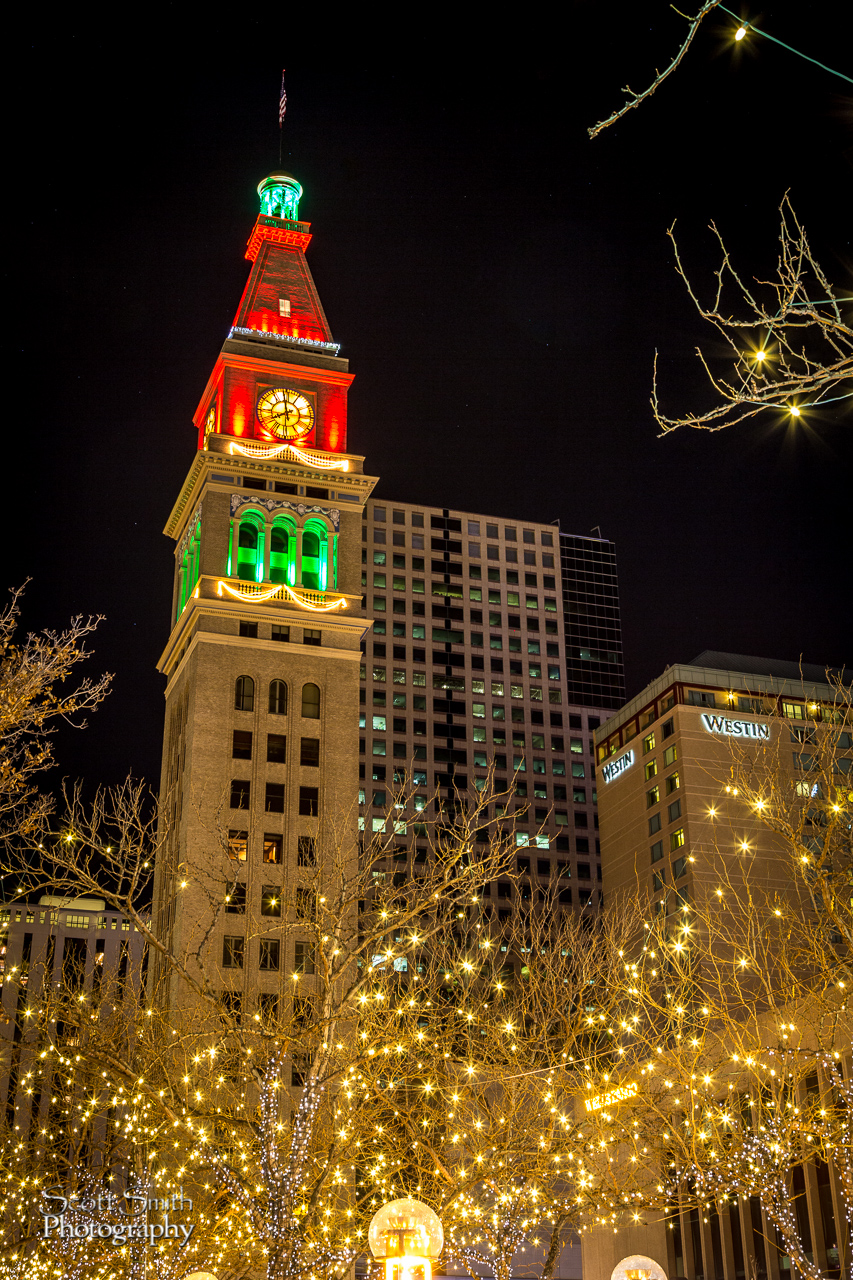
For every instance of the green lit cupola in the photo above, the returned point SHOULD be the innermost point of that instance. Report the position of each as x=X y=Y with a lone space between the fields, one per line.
x=280 y=195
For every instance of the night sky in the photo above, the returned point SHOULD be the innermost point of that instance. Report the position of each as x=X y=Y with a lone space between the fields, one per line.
x=498 y=282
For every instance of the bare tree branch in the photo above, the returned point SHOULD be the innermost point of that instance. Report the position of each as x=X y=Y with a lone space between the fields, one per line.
x=790 y=350
x=31 y=701
x=634 y=99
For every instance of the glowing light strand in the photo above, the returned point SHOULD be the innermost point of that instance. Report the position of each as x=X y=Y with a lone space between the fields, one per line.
x=747 y=26
x=275 y=450
x=281 y=591
x=284 y=337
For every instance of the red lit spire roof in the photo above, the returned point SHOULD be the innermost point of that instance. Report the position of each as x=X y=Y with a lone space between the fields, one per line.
x=280 y=296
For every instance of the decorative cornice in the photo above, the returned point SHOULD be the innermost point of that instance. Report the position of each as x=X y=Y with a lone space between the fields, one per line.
x=274 y=504
x=206 y=462
x=354 y=623
x=278 y=232
x=184 y=496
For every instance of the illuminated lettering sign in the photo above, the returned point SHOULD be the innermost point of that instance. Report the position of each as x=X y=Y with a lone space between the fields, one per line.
x=736 y=728
x=612 y=770
x=615 y=1096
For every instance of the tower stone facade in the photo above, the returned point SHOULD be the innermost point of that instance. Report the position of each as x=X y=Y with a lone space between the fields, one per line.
x=260 y=761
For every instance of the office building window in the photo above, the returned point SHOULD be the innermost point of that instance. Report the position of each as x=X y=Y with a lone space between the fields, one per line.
x=278 y=698
x=272 y=849
x=244 y=694
x=233 y=949
x=270 y=955
x=309 y=801
x=271 y=901
x=240 y=793
x=235 y=900
x=306 y=855
x=310 y=702
x=274 y=797
x=238 y=845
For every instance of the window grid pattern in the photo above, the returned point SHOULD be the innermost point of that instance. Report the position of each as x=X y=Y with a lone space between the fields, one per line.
x=465 y=665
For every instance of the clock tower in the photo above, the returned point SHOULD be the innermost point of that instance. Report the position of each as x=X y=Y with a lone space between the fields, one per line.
x=260 y=756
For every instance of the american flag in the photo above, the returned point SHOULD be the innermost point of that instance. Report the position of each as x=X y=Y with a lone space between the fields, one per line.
x=282 y=103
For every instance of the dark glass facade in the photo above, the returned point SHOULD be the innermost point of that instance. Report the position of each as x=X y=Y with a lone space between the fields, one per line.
x=595 y=669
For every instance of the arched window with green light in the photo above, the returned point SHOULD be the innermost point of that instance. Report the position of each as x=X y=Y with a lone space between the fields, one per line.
x=315 y=555
x=190 y=567
x=250 y=548
x=283 y=550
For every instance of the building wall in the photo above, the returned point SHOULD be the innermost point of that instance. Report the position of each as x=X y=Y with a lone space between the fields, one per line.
x=465 y=667
x=669 y=754
x=75 y=944
x=668 y=823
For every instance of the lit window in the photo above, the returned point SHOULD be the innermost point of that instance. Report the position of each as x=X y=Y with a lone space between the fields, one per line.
x=238 y=845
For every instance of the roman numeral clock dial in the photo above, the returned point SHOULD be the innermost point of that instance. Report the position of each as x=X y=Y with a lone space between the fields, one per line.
x=285 y=414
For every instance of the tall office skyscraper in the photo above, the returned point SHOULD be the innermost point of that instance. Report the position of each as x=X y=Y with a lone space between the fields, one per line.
x=469 y=663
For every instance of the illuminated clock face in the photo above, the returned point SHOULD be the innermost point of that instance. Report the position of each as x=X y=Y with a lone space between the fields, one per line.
x=286 y=414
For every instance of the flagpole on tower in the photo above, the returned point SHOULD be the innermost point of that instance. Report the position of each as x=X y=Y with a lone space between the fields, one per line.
x=282 y=107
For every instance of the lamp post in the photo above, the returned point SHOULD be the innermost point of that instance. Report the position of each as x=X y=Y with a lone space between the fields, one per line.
x=409 y=1236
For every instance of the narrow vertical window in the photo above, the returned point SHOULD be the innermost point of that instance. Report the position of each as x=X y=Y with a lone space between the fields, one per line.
x=190 y=566
x=250 y=549
x=278 y=698
x=310 y=702
x=244 y=694
x=283 y=552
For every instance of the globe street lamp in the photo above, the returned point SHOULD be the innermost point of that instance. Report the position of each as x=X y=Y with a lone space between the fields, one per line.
x=408 y=1235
